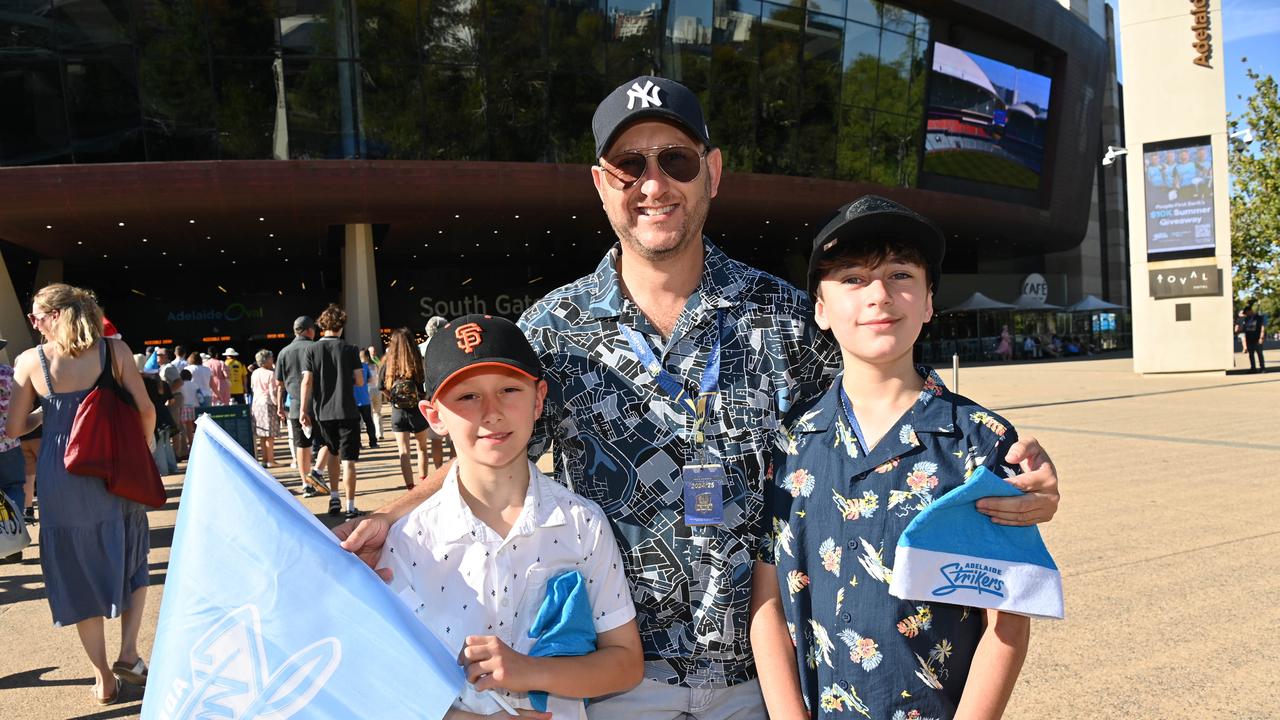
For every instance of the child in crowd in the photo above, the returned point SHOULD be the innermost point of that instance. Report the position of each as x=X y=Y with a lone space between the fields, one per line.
x=190 y=401
x=475 y=560
x=854 y=466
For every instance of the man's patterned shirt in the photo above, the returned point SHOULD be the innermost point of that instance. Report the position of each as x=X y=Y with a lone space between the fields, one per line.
x=620 y=441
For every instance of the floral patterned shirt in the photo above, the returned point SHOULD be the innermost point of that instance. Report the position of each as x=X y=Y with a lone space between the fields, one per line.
x=6 y=392
x=836 y=512
x=621 y=442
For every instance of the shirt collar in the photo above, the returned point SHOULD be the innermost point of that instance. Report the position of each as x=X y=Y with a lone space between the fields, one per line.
x=721 y=285
x=457 y=520
x=933 y=412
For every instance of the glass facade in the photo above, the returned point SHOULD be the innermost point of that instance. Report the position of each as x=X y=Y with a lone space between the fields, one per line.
x=827 y=88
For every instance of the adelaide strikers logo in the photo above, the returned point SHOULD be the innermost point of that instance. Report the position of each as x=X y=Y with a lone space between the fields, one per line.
x=469 y=337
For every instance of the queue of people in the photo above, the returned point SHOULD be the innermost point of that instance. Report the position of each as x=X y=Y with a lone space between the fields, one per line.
x=695 y=480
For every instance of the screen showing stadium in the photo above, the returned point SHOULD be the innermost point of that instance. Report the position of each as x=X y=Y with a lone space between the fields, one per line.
x=986 y=119
x=1178 y=180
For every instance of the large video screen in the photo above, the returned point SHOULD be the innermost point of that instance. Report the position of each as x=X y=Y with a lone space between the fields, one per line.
x=1178 y=179
x=986 y=119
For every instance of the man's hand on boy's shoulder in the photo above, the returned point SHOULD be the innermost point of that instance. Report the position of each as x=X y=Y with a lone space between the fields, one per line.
x=491 y=665
x=1038 y=479
x=364 y=538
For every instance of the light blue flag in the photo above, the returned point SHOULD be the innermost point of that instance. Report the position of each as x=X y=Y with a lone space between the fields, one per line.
x=265 y=616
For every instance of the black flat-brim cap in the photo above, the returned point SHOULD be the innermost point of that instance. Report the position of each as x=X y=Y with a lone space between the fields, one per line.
x=478 y=341
x=648 y=97
x=872 y=217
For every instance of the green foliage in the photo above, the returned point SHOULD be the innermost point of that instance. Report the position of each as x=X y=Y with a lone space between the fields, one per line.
x=1255 y=199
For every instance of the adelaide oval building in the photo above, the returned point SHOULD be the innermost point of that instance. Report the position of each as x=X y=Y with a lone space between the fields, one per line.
x=214 y=168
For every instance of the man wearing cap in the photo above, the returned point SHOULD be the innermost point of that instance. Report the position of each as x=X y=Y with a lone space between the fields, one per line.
x=235 y=375
x=289 y=366
x=669 y=368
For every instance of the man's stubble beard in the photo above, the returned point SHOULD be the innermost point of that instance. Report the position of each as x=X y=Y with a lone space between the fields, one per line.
x=690 y=230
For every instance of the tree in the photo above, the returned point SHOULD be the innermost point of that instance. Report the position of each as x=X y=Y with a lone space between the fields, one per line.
x=1255 y=199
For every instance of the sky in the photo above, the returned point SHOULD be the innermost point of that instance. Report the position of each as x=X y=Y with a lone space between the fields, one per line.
x=1251 y=29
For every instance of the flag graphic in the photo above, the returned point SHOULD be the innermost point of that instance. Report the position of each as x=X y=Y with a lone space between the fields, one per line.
x=265 y=616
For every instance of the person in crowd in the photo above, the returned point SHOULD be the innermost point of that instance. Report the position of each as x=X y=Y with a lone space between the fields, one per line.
x=30 y=456
x=662 y=307
x=872 y=274
x=1254 y=328
x=364 y=404
x=159 y=393
x=237 y=376
x=220 y=392
x=487 y=397
x=401 y=380
x=330 y=373
x=201 y=379
x=375 y=390
x=179 y=356
x=289 y=366
x=1005 y=349
x=432 y=327
x=190 y=402
x=12 y=468
x=265 y=422
x=1030 y=348
x=93 y=544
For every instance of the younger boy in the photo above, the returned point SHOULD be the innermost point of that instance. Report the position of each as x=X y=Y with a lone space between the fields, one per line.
x=476 y=558
x=855 y=465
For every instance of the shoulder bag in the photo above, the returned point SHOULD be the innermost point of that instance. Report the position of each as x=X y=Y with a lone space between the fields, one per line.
x=106 y=442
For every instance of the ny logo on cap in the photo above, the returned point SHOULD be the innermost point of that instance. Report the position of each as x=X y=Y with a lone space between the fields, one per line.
x=469 y=336
x=647 y=95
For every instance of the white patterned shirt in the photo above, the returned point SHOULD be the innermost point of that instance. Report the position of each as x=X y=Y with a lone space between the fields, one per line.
x=461 y=578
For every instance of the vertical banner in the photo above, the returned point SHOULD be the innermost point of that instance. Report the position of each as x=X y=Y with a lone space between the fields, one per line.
x=265 y=616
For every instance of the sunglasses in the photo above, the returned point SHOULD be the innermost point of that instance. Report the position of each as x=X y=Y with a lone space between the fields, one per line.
x=34 y=318
x=680 y=163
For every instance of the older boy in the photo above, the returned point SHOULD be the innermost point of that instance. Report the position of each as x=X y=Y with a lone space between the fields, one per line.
x=476 y=559
x=855 y=465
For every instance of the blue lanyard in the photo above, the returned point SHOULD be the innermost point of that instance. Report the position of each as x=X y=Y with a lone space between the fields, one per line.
x=697 y=406
x=853 y=421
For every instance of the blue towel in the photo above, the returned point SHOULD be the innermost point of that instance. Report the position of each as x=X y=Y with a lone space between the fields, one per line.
x=563 y=625
x=952 y=553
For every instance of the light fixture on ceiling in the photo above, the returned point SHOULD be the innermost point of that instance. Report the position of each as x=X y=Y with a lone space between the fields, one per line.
x=48 y=227
x=144 y=239
x=534 y=280
x=136 y=292
x=79 y=242
x=191 y=222
x=393 y=283
x=468 y=280
x=262 y=219
x=120 y=224
x=455 y=217
x=224 y=290
x=304 y=285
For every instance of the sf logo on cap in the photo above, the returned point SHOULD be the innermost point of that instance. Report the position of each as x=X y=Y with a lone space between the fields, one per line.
x=469 y=336
x=647 y=95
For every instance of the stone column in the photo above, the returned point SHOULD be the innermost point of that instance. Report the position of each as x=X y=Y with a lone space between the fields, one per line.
x=360 y=286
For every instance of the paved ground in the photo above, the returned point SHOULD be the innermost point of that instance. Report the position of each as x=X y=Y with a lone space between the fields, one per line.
x=1167 y=541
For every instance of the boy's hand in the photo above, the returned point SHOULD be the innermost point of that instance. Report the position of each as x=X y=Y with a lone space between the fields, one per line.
x=492 y=664
x=365 y=538
x=1038 y=479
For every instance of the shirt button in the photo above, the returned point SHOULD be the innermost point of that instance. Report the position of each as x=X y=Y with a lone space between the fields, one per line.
x=853 y=545
x=846 y=617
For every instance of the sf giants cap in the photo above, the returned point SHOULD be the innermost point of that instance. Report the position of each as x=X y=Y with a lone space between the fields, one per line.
x=478 y=341
x=648 y=97
x=872 y=217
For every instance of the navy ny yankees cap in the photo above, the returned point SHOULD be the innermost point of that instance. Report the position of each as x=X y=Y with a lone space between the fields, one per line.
x=477 y=341
x=872 y=217
x=648 y=97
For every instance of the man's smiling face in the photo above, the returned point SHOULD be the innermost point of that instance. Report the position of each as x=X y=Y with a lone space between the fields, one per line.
x=657 y=217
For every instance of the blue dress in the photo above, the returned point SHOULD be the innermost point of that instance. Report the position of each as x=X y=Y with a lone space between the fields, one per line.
x=93 y=545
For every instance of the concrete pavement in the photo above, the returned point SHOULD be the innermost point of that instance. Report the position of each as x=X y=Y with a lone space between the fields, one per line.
x=1166 y=539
